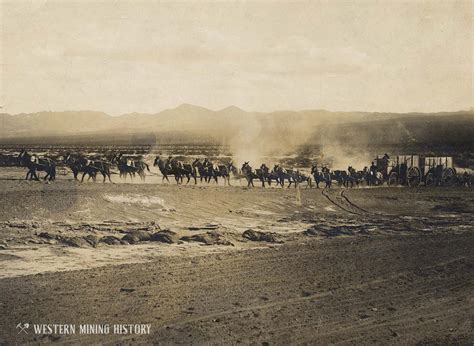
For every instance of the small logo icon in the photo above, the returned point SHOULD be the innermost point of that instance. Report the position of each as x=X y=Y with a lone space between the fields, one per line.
x=22 y=327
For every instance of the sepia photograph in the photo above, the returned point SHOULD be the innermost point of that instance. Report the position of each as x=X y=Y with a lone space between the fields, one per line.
x=236 y=172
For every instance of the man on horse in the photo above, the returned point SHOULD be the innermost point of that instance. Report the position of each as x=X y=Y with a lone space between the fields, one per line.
x=208 y=163
x=169 y=163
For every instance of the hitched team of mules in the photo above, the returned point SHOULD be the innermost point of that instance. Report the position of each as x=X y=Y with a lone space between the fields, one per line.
x=408 y=170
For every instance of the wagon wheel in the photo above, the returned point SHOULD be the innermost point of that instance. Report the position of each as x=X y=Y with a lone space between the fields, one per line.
x=430 y=179
x=393 y=179
x=449 y=177
x=414 y=177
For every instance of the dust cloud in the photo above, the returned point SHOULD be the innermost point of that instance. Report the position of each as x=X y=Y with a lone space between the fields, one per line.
x=272 y=139
x=267 y=139
x=341 y=157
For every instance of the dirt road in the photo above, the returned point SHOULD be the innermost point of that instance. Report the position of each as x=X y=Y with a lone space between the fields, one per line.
x=343 y=266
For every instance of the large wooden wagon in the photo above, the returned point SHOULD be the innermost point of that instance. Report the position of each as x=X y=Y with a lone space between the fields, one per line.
x=405 y=170
x=439 y=171
x=413 y=170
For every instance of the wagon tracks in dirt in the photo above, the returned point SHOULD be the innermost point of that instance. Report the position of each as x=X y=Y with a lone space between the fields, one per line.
x=356 y=206
x=342 y=202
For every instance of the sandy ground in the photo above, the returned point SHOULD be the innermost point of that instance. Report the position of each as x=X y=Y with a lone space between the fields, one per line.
x=221 y=264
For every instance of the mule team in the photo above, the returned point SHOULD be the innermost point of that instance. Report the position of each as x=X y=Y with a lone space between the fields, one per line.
x=204 y=170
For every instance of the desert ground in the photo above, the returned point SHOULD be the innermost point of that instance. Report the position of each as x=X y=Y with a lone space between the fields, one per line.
x=231 y=264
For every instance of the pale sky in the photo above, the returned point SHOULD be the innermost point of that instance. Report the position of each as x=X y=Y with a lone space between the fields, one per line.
x=131 y=56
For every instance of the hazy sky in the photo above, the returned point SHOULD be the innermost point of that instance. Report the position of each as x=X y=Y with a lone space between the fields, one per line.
x=119 y=57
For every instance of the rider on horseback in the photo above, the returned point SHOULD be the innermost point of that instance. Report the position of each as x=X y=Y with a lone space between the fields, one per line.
x=168 y=162
x=373 y=169
x=207 y=163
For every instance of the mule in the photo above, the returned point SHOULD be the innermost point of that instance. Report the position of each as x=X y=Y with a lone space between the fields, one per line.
x=34 y=164
x=131 y=166
x=166 y=170
x=249 y=174
x=283 y=175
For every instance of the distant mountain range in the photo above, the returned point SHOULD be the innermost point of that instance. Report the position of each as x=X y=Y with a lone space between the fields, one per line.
x=248 y=127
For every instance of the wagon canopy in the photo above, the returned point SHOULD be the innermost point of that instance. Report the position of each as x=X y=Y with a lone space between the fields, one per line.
x=433 y=161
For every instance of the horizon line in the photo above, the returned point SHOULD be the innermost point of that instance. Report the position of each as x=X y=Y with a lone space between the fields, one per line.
x=238 y=108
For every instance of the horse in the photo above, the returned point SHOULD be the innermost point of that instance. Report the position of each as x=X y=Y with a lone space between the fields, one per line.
x=131 y=167
x=465 y=178
x=272 y=176
x=263 y=173
x=189 y=172
x=320 y=176
x=34 y=163
x=249 y=174
x=360 y=177
x=166 y=170
x=87 y=166
x=374 y=178
x=206 y=171
x=236 y=173
x=340 y=176
x=301 y=177
x=183 y=170
x=295 y=175
x=283 y=175
x=78 y=165
x=224 y=172
x=351 y=177
x=103 y=168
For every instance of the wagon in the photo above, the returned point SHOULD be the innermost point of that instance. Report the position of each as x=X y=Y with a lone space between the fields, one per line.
x=405 y=170
x=413 y=170
x=439 y=170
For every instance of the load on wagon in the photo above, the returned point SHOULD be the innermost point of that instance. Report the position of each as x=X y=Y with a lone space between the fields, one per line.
x=414 y=170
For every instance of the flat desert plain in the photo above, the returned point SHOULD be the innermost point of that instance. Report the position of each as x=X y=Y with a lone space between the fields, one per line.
x=214 y=264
